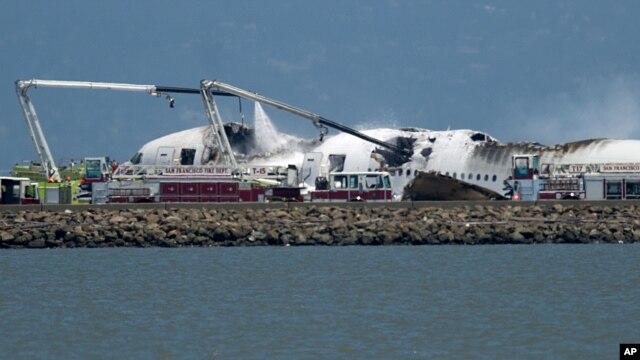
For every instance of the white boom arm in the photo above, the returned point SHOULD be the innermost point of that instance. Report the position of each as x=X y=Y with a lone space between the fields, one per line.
x=33 y=123
x=319 y=121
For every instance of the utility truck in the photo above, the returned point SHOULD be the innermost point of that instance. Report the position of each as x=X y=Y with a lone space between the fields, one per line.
x=531 y=180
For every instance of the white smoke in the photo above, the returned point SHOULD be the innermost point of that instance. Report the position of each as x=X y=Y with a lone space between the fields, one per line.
x=267 y=138
x=600 y=108
x=384 y=119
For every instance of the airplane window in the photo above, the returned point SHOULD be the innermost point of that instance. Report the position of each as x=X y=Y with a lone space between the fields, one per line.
x=455 y=176
x=486 y=178
x=336 y=162
x=462 y=176
x=408 y=172
x=415 y=172
x=481 y=137
x=187 y=156
x=494 y=178
x=447 y=173
x=478 y=177
x=426 y=152
x=470 y=176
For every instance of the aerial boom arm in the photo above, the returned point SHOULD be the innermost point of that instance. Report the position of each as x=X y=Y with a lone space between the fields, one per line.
x=317 y=120
x=33 y=122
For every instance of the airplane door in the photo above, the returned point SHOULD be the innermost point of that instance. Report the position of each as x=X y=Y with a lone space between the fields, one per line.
x=310 y=168
x=164 y=155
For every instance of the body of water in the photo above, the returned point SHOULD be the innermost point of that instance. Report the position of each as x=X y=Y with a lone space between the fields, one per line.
x=394 y=302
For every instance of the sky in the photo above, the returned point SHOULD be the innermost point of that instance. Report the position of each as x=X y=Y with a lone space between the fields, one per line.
x=549 y=71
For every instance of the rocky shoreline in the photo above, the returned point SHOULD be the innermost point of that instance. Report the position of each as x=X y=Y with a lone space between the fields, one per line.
x=320 y=225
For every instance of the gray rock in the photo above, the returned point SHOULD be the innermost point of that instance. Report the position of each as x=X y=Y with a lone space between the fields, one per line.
x=36 y=244
x=6 y=236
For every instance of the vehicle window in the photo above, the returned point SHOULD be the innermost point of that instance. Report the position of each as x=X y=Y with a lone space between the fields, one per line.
x=135 y=160
x=614 y=189
x=486 y=177
x=522 y=168
x=633 y=190
x=494 y=178
x=353 y=181
x=387 y=182
x=340 y=182
x=92 y=169
x=30 y=192
x=371 y=181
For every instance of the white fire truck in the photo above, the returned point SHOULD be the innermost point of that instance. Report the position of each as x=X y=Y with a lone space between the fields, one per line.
x=532 y=181
x=353 y=186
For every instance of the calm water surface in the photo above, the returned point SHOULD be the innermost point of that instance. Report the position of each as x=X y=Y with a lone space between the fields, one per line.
x=540 y=301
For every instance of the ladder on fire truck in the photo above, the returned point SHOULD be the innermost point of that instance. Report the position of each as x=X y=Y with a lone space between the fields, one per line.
x=40 y=142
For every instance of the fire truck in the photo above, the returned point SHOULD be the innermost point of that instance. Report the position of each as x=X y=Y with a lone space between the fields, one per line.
x=532 y=181
x=353 y=186
x=229 y=181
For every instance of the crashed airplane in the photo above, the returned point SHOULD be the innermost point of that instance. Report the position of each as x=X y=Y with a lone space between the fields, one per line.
x=424 y=164
x=450 y=165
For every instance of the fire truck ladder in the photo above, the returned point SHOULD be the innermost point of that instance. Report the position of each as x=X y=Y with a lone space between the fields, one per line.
x=37 y=135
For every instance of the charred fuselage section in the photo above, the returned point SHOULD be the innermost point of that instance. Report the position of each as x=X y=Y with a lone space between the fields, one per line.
x=396 y=158
x=241 y=138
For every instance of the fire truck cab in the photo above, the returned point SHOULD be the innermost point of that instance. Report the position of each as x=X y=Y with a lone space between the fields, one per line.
x=18 y=191
x=527 y=184
x=353 y=186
